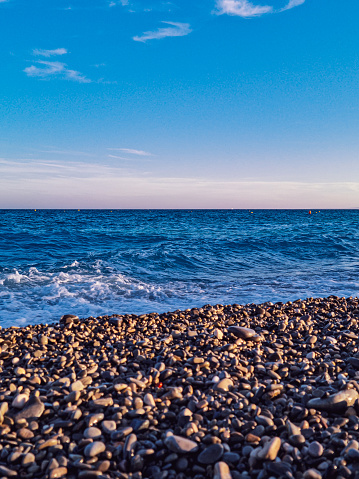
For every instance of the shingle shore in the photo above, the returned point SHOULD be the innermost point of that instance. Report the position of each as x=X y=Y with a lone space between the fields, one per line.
x=255 y=391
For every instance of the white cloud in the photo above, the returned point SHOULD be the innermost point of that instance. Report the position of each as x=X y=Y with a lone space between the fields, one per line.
x=55 y=70
x=292 y=4
x=124 y=3
x=118 y=157
x=49 y=53
x=174 y=30
x=131 y=151
x=242 y=8
x=246 y=9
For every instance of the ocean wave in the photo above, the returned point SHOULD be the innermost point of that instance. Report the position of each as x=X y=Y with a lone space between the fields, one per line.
x=138 y=262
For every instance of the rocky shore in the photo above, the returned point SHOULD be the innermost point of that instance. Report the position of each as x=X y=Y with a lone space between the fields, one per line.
x=256 y=391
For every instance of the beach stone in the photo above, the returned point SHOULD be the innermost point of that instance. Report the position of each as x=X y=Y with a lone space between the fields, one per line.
x=94 y=449
x=129 y=446
x=353 y=454
x=338 y=402
x=25 y=433
x=148 y=400
x=69 y=318
x=58 y=472
x=77 y=386
x=28 y=460
x=95 y=418
x=243 y=333
x=49 y=443
x=224 y=385
x=312 y=474
x=108 y=426
x=221 y=471
x=92 y=433
x=264 y=421
x=315 y=449
x=19 y=401
x=180 y=444
x=297 y=440
x=74 y=396
x=6 y=472
x=217 y=333
x=270 y=450
x=211 y=454
x=33 y=408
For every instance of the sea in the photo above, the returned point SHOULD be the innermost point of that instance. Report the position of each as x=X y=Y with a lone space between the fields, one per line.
x=100 y=262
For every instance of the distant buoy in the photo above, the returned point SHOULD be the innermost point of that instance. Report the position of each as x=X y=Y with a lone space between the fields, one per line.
x=34 y=210
x=310 y=212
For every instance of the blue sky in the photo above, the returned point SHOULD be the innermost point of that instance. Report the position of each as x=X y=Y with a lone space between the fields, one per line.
x=179 y=104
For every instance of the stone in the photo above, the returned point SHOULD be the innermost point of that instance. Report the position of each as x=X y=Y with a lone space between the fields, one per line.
x=221 y=471
x=312 y=474
x=148 y=400
x=180 y=444
x=336 y=403
x=25 y=433
x=224 y=385
x=6 y=472
x=108 y=426
x=243 y=333
x=92 y=433
x=77 y=386
x=19 y=401
x=58 y=472
x=270 y=450
x=33 y=408
x=28 y=460
x=94 y=449
x=211 y=454
x=315 y=449
x=297 y=440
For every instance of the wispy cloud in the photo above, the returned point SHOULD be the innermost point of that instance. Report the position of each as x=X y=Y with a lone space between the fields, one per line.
x=175 y=29
x=241 y=8
x=49 y=53
x=119 y=157
x=46 y=70
x=131 y=151
x=246 y=9
x=292 y=4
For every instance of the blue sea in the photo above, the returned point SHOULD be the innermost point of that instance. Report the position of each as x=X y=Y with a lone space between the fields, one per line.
x=97 y=262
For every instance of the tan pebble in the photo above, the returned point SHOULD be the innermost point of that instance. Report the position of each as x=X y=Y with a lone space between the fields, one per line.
x=58 y=472
x=221 y=471
x=270 y=449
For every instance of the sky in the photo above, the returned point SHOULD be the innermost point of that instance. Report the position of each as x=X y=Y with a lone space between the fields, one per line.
x=179 y=104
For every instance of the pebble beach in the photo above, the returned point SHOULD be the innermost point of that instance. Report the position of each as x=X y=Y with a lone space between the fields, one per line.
x=222 y=391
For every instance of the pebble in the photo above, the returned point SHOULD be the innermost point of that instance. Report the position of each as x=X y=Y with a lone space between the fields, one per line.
x=92 y=433
x=33 y=408
x=312 y=474
x=224 y=385
x=94 y=449
x=108 y=426
x=315 y=449
x=19 y=401
x=337 y=402
x=270 y=449
x=211 y=454
x=221 y=471
x=180 y=444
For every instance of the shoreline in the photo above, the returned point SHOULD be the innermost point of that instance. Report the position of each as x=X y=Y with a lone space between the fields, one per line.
x=226 y=392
